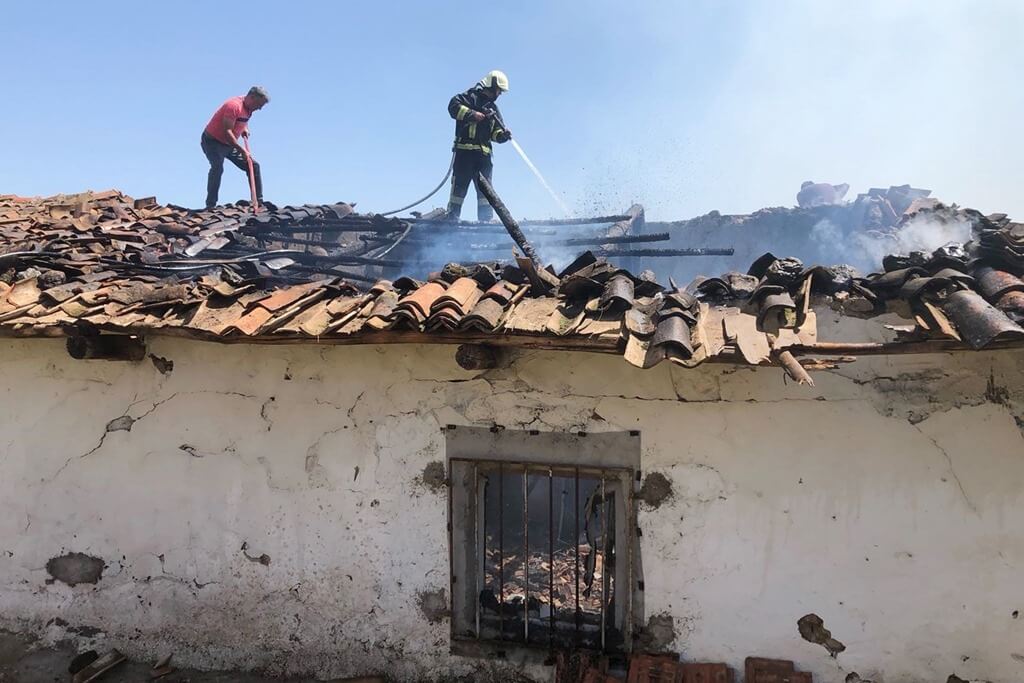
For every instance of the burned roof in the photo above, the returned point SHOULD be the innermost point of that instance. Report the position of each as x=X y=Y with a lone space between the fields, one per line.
x=102 y=262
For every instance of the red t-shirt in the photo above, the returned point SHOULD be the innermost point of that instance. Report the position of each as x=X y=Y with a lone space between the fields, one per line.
x=232 y=109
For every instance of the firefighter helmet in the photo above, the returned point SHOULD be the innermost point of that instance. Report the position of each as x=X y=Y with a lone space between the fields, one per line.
x=496 y=79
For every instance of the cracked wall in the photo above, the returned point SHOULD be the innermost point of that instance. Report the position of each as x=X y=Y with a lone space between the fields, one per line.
x=885 y=499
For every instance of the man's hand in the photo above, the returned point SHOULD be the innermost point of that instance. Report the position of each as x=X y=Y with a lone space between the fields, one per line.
x=245 y=133
x=478 y=116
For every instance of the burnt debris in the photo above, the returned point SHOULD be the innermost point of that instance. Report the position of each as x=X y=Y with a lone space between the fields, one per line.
x=100 y=264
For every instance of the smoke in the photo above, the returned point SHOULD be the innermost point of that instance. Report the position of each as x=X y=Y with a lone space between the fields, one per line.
x=433 y=247
x=865 y=250
x=925 y=234
x=827 y=237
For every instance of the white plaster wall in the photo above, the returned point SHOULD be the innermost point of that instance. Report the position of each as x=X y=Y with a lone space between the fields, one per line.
x=886 y=500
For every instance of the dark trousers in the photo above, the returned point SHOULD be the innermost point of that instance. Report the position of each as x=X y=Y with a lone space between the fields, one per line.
x=468 y=164
x=216 y=152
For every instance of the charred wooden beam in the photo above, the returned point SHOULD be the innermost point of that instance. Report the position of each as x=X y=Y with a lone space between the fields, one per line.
x=344 y=225
x=384 y=239
x=703 y=251
x=483 y=185
x=349 y=260
x=687 y=223
x=610 y=239
x=634 y=222
x=578 y=242
x=285 y=239
x=460 y=232
x=107 y=347
x=328 y=270
x=526 y=223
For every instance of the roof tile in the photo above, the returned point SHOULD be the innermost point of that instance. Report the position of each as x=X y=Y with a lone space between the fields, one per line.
x=140 y=265
x=251 y=321
x=24 y=292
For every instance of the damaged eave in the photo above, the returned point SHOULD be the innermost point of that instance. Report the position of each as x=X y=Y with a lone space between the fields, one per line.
x=602 y=344
x=105 y=264
x=897 y=347
x=817 y=356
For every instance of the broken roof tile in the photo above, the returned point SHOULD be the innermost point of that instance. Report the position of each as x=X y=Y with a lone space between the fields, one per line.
x=530 y=315
x=673 y=331
x=978 y=321
x=776 y=307
x=283 y=316
x=1012 y=304
x=617 y=295
x=993 y=283
x=23 y=292
x=502 y=291
x=566 y=318
x=286 y=296
x=150 y=267
x=251 y=321
x=639 y=323
x=485 y=316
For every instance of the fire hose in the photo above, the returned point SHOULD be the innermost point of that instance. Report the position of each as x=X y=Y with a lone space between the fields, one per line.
x=451 y=166
x=444 y=180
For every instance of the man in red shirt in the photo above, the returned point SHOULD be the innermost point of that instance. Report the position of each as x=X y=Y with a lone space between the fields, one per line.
x=220 y=141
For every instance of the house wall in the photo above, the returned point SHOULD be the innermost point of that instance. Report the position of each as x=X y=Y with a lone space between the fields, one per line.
x=282 y=509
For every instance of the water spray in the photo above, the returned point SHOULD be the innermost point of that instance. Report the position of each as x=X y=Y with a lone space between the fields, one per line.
x=543 y=182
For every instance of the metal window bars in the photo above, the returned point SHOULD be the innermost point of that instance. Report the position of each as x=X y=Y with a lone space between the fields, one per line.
x=515 y=508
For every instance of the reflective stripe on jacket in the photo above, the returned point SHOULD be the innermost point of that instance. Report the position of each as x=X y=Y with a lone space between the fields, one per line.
x=471 y=134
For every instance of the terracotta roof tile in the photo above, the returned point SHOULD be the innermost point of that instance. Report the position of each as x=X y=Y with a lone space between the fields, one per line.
x=502 y=291
x=133 y=264
x=566 y=318
x=312 y=321
x=979 y=322
x=422 y=299
x=485 y=316
x=23 y=292
x=288 y=295
x=531 y=315
x=251 y=321
x=462 y=295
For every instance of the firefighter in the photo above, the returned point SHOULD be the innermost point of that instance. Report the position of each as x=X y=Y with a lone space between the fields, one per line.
x=477 y=123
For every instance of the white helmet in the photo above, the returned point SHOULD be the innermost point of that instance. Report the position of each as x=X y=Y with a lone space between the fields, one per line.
x=495 y=78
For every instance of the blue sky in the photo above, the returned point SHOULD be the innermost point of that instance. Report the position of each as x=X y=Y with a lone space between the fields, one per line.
x=685 y=107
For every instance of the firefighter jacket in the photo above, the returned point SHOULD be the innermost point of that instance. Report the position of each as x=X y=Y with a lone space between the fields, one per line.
x=474 y=135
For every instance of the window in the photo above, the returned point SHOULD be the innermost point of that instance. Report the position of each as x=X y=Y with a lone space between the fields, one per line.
x=542 y=538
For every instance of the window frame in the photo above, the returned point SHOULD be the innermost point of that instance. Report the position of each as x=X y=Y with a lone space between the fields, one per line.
x=612 y=457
